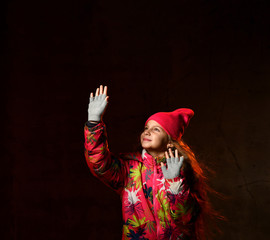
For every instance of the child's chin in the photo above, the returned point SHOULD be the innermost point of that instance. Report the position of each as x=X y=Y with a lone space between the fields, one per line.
x=146 y=145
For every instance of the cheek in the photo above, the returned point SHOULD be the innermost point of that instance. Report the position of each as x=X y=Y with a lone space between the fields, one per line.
x=157 y=140
x=162 y=140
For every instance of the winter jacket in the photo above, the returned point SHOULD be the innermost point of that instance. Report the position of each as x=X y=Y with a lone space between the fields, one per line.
x=153 y=207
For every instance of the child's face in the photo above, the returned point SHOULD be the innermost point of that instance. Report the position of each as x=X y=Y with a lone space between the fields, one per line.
x=154 y=139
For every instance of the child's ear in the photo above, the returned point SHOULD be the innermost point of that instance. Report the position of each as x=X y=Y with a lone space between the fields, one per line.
x=170 y=145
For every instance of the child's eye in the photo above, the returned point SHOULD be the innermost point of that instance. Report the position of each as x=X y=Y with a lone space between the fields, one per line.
x=156 y=129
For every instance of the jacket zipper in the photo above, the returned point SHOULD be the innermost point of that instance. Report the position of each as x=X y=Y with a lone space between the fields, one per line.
x=154 y=197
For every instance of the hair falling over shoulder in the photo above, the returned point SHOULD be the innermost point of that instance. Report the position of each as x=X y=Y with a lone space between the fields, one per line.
x=195 y=174
x=205 y=217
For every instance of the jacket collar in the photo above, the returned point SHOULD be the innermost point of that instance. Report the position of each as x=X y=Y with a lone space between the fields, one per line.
x=144 y=152
x=150 y=160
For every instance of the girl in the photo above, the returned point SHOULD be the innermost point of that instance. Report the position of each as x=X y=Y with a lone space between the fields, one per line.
x=162 y=188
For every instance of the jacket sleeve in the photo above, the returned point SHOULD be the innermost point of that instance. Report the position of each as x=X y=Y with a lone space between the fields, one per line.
x=183 y=205
x=102 y=163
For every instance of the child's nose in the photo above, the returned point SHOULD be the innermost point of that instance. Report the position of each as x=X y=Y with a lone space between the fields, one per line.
x=147 y=132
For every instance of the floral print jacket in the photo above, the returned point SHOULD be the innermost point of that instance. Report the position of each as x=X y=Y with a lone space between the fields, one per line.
x=153 y=207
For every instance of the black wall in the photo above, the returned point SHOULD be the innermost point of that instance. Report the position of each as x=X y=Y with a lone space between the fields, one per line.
x=211 y=56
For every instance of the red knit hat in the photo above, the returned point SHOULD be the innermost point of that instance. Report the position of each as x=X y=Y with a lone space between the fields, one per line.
x=174 y=122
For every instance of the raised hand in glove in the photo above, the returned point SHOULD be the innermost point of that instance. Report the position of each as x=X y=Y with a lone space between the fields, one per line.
x=174 y=165
x=97 y=104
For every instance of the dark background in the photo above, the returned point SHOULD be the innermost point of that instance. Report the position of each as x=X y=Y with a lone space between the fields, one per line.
x=211 y=56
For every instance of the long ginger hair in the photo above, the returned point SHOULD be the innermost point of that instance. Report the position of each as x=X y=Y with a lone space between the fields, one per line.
x=195 y=174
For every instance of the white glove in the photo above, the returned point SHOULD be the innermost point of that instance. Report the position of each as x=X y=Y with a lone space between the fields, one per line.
x=174 y=165
x=97 y=104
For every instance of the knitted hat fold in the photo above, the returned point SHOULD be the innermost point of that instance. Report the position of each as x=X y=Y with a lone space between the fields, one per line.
x=174 y=123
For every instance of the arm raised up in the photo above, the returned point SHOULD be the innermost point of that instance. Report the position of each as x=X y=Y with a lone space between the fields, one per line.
x=102 y=163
